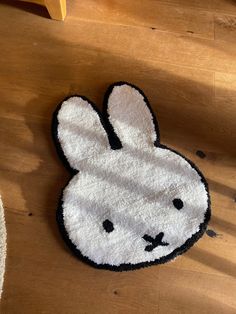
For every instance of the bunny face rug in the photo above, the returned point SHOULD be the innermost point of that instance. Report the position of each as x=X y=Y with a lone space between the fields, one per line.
x=132 y=202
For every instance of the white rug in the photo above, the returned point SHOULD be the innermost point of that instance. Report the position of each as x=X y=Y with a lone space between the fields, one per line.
x=131 y=202
x=2 y=245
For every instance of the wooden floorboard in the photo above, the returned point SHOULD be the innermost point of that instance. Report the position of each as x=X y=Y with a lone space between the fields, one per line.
x=183 y=55
x=170 y=18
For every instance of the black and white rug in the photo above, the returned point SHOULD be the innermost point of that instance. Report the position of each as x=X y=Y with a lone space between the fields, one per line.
x=131 y=202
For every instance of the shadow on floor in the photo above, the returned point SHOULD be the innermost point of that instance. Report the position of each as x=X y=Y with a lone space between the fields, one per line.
x=68 y=68
x=33 y=8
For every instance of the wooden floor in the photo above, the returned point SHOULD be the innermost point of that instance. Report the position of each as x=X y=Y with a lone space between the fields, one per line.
x=182 y=53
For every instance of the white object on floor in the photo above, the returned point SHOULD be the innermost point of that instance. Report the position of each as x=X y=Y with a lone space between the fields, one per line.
x=131 y=207
x=2 y=245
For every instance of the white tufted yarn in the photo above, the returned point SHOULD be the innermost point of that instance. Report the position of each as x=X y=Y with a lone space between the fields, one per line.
x=2 y=245
x=131 y=207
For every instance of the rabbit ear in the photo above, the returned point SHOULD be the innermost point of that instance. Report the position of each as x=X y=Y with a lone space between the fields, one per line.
x=79 y=130
x=131 y=116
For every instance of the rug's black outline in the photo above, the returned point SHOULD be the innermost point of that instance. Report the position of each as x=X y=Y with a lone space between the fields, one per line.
x=115 y=143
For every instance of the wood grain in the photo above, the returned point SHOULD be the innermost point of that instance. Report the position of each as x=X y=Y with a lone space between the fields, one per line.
x=210 y=5
x=162 y=17
x=190 y=80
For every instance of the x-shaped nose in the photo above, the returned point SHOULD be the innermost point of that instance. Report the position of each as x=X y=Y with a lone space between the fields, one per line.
x=154 y=241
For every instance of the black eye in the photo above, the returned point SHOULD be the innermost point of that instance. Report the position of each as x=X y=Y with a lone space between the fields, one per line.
x=178 y=203
x=108 y=225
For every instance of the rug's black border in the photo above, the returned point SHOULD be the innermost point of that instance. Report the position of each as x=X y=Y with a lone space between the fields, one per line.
x=115 y=143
